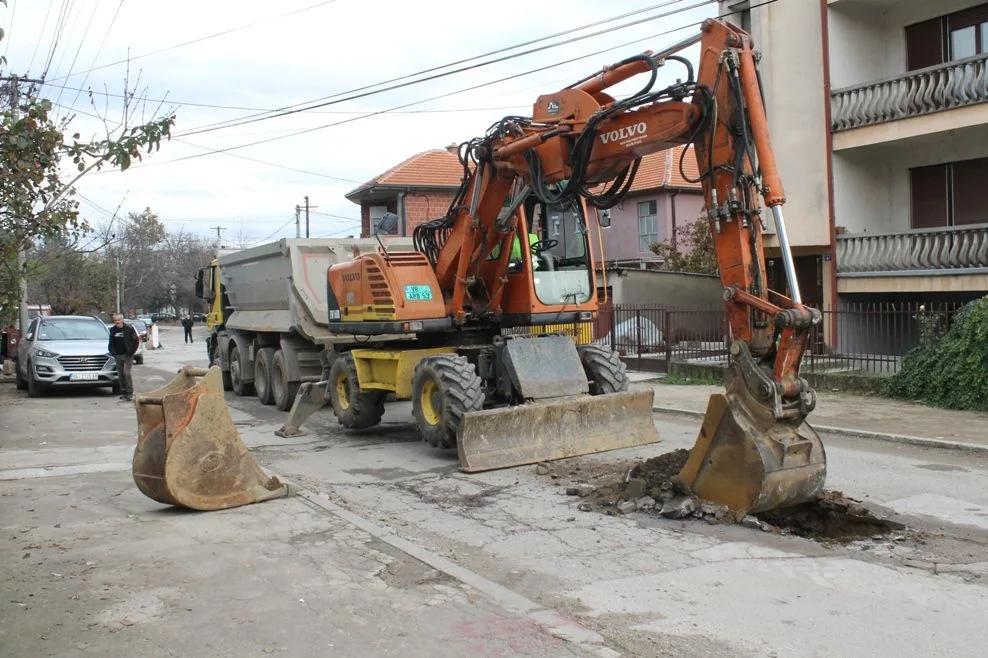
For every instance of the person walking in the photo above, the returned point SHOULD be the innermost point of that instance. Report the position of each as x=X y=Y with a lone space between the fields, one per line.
x=187 y=325
x=124 y=342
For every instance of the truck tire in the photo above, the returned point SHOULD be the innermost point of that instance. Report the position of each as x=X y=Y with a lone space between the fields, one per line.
x=444 y=388
x=238 y=385
x=354 y=409
x=262 y=375
x=605 y=370
x=284 y=390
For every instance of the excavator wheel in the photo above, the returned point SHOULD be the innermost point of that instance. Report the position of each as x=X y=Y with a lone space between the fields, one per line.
x=355 y=409
x=605 y=370
x=444 y=388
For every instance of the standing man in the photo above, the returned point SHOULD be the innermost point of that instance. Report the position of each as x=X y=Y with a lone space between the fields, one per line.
x=124 y=342
x=187 y=325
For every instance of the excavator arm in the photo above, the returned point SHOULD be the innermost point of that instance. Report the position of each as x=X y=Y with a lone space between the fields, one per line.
x=755 y=450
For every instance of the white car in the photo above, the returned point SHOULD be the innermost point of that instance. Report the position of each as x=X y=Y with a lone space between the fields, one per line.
x=65 y=351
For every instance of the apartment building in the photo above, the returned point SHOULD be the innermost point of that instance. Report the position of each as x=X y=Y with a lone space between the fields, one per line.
x=878 y=115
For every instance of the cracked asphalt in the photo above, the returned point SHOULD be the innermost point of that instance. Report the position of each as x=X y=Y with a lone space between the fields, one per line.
x=390 y=550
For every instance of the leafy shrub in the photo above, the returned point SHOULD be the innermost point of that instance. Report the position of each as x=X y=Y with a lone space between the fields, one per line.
x=949 y=369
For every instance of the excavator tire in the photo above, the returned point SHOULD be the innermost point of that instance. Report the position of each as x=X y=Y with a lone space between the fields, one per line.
x=189 y=453
x=263 y=374
x=444 y=389
x=605 y=370
x=355 y=409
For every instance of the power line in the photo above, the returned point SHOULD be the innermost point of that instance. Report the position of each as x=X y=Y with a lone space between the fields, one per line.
x=13 y=15
x=38 y=42
x=361 y=93
x=419 y=102
x=92 y=15
x=205 y=38
x=99 y=50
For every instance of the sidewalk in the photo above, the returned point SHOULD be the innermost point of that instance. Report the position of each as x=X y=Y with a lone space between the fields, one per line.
x=872 y=417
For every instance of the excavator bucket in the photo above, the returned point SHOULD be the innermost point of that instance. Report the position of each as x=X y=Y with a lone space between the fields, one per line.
x=189 y=453
x=747 y=460
x=555 y=429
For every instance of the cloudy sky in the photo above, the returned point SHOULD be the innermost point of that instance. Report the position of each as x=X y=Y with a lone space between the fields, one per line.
x=223 y=66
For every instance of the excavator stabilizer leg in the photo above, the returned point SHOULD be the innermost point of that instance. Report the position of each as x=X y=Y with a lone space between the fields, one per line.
x=555 y=429
x=747 y=460
x=311 y=398
x=189 y=453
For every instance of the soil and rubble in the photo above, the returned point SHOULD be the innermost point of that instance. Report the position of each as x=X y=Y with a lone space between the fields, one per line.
x=650 y=487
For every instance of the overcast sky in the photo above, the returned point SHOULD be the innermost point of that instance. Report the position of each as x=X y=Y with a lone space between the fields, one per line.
x=279 y=54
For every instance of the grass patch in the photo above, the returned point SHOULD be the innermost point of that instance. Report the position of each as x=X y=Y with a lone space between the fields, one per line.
x=677 y=379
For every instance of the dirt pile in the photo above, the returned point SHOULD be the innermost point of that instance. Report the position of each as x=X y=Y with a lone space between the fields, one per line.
x=650 y=487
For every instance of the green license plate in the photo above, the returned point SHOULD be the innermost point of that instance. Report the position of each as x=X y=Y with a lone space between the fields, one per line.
x=418 y=293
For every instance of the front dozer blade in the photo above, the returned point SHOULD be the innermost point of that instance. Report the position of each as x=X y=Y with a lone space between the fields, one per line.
x=189 y=453
x=747 y=460
x=556 y=429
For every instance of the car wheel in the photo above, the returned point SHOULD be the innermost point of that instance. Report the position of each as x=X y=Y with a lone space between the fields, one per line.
x=33 y=387
x=18 y=379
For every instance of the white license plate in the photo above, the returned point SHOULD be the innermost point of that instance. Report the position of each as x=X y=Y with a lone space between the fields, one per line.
x=84 y=376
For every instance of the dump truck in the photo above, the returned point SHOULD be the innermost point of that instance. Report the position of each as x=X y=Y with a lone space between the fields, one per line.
x=268 y=319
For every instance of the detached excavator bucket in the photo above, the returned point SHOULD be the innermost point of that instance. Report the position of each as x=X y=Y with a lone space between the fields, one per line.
x=747 y=460
x=548 y=430
x=189 y=452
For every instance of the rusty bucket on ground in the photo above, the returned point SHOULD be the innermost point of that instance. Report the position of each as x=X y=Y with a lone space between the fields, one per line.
x=189 y=453
x=750 y=461
x=555 y=429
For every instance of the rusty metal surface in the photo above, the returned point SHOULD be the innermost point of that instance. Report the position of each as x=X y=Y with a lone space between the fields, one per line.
x=548 y=430
x=310 y=399
x=745 y=459
x=189 y=453
x=545 y=367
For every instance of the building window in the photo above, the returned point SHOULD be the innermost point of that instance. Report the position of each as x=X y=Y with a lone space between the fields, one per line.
x=948 y=194
x=947 y=38
x=648 y=225
x=604 y=218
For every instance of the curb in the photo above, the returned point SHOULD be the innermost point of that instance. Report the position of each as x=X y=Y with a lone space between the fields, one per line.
x=922 y=441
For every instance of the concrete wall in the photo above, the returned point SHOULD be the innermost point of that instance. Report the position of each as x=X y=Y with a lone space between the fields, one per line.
x=666 y=288
x=790 y=37
x=621 y=241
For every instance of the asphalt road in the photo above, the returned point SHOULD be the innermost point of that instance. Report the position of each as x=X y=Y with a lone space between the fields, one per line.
x=390 y=550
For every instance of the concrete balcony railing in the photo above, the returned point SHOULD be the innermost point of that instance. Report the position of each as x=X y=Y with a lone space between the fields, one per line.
x=943 y=251
x=933 y=89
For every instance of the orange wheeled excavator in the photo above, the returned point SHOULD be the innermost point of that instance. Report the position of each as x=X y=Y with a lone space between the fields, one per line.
x=505 y=400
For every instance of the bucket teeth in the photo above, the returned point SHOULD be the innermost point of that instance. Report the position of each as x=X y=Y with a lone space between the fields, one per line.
x=189 y=453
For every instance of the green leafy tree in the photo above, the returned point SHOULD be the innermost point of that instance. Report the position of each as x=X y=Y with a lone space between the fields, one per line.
x=691 y=249
x=36 y=203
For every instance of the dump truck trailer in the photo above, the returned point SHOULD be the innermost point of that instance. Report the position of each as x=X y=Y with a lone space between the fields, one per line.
x=268 y=320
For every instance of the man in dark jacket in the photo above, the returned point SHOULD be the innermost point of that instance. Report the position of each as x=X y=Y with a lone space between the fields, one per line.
x=124 y=342
x=187 y=325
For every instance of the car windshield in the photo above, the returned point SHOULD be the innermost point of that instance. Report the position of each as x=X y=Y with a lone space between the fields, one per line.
x=72 y=329
x=139 y=326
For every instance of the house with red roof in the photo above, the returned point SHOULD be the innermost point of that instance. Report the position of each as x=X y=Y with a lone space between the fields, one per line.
x=661 y=199
x=417 y=189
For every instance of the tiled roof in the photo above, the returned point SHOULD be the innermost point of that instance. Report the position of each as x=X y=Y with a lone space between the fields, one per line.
x=661 y=169
x=431 y=169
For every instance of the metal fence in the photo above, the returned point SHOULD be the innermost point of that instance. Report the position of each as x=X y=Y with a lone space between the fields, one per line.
x=865 y=338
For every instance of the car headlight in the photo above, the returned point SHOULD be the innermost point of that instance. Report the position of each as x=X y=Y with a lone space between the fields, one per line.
x=46 y=354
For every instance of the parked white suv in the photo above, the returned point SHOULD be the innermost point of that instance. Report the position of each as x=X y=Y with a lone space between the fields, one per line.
x=65 y=350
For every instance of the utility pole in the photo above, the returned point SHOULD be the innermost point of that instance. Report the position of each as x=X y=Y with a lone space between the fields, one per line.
x=219 y=238
x=307 y=209
x=119 y=283
x=298 y=226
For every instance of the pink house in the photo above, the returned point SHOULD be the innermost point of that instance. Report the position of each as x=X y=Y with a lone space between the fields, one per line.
x=660 y=200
